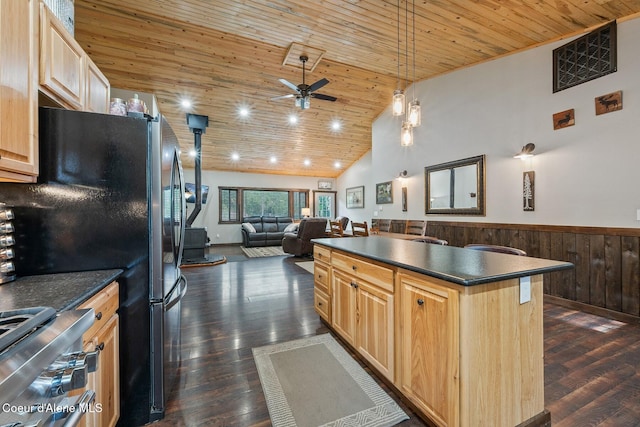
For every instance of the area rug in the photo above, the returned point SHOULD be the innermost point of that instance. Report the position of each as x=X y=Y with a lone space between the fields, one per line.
x=307 y=265
x=314 y=382
x=262 y=251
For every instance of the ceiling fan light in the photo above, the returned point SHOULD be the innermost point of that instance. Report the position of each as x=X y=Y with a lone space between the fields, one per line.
x=406 y=135
x=398 y=102
x=414 y=117
x=303 y=102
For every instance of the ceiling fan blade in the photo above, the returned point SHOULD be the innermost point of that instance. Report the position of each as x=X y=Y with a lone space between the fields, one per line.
x=289 y=84
x=323 y=97
x=317 y=85
x=283 y=97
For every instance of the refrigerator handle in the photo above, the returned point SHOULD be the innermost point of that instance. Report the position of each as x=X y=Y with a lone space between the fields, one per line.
x=182 y=294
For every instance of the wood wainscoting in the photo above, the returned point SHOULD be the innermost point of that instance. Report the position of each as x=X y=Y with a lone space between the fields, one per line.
x=606 y=278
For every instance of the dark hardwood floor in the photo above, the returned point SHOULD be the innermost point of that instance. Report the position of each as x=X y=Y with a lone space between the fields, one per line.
x=592 y=364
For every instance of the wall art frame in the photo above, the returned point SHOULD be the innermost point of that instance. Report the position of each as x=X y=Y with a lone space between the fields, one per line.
x=528 y=191
x=384 y=193
x=355 y=197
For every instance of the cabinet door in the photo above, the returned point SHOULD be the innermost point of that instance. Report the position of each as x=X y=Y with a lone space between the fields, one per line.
x=374 y=337
x=343 y=306
x=97 y=89
x=18 y=90
x=106 y=380
x=62 y=66
x=429 y=347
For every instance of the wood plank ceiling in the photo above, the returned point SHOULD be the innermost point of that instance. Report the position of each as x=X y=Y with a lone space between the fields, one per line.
x=224 y=54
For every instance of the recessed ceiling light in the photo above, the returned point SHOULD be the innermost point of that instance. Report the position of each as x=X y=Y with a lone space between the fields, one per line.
x=293 y=119
x=307 y=162
x=273 y=159
x=235 y=157
x=192 y=152
x=185 y=103
x=243 y=111
x=336 y=125
x=337 y=165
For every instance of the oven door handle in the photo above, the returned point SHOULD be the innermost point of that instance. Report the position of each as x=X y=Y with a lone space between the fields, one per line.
x=81 y=406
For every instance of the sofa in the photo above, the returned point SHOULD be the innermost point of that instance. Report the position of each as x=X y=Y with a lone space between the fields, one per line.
x=264 y=230
x=299 y=243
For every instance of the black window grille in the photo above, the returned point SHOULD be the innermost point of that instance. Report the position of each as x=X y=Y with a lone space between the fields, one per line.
x=585 y=58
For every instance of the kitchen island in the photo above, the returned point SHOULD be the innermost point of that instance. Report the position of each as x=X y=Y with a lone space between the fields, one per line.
x=457 y=332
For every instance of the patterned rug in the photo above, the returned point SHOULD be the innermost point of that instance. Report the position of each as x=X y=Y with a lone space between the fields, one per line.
x=315 y=382
x=262 y=251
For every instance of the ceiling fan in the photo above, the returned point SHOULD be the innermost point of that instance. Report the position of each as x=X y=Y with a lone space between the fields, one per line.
x=305 y=92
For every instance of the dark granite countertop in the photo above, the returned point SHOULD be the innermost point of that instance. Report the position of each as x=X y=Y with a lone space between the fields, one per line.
x=465 y=267
x=62 y=291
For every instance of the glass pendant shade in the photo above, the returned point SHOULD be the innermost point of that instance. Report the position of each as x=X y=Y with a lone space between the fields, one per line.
x=406 y=136
x=415 y=113
x=398 y=102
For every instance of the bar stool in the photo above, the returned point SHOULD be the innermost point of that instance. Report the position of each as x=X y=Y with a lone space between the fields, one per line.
x=432 y=240
x=496 y=248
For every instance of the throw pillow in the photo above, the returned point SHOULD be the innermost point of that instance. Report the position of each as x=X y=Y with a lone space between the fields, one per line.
x=248 y=227
x=291 y=228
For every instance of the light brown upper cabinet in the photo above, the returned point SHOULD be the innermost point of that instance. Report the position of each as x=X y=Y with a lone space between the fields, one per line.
x=97 y=89
x=18 y=90
x=67 y=74
x=62 y=69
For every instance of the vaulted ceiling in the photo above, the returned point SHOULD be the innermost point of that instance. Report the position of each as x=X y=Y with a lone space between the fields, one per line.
x=225 y=54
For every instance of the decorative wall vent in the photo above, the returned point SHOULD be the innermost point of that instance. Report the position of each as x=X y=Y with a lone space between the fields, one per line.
x=586 y=58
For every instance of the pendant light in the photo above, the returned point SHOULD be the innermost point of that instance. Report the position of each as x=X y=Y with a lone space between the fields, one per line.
x=398 y=94
x=414 y=114
x=406 y=135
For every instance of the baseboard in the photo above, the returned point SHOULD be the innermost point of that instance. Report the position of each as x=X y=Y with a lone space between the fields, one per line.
x=592 y=309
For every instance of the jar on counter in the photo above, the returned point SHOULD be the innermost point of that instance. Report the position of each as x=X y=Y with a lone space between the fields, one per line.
x=118 y=107
x=135 y=104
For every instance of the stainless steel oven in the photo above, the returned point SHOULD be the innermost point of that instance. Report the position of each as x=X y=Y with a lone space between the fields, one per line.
x=40 y=363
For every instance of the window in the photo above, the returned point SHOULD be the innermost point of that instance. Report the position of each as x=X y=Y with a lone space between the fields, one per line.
x=236 y=203
x=265 y=203
x=229 y=205
x=300 y=200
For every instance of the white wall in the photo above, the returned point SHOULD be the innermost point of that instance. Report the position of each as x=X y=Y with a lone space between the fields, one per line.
x=209 y=215
x=585 y=175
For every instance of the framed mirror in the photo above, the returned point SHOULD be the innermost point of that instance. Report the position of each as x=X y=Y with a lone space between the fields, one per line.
x=456 y=188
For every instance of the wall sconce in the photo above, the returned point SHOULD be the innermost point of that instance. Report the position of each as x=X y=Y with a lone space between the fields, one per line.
x=526 y=152
x=305 y=212
x=402 y=174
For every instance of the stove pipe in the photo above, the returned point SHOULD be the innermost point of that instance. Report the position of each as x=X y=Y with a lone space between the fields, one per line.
x=198 y=125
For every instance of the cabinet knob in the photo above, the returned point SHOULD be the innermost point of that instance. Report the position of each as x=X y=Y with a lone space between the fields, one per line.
x=354 y=285
x=420 y=301
x=319 y=304
x=99 y=315
x=354 y=267
x=100 y=346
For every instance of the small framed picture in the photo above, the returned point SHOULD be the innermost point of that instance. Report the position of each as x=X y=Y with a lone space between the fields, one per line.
x=324 y=185
x=355 y=197
x=564 y=119
x=384 y=193
x=529 y=191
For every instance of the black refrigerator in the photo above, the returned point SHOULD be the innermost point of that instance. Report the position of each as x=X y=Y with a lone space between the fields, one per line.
x=110 y=194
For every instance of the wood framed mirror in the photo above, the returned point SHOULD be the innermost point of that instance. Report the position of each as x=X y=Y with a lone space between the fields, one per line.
x=456 y=188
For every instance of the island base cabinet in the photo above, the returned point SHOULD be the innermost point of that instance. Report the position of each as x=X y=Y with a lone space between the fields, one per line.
x=374 y=330
x=429 y=346
x=502 y=353
x=363 y=317
x=343 y=306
